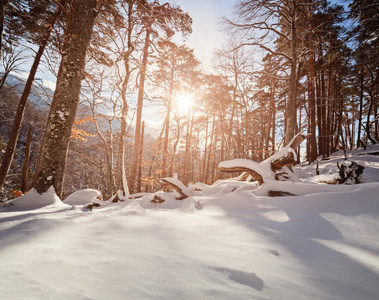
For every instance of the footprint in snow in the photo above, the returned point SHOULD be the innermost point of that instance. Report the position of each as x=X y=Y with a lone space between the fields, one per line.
x=275 y=252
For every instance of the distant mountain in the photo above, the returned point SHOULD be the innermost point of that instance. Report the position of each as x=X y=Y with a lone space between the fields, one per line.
x=40 y=96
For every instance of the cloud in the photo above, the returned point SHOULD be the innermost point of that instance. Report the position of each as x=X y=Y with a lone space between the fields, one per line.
x=49 y=84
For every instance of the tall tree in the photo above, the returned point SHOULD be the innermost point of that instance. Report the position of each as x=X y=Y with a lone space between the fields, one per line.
x=11 y=146
x=265 y=21
x=66 y=98
x=155 y=17
x=366 y=13
x=128 y=49
x=176 y=66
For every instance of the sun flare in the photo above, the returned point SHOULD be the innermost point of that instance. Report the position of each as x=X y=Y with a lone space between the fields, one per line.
x=184 y=102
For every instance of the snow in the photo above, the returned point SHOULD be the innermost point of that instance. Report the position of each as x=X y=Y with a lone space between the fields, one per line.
x=32 y=200
x=266 y=173
x=228 y=241
x=61 y=114
x=179 y=184
x=84 y=196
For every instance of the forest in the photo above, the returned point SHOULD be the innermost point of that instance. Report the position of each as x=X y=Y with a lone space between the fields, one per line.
x=133 y=104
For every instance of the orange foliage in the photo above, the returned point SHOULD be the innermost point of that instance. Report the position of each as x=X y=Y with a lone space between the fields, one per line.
x=88 y=75
x=158 y=171
x=16 y=194
x=149 y=180
x=80 y=134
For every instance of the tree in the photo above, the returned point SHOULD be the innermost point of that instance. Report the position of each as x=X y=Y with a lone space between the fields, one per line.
x=176 y=66
x=66 y=98
x=366 y=13
x=265 y=21
x=3 y=6
x=235 y=65
x=154 y=17
x=8 y=156
x=126 y=57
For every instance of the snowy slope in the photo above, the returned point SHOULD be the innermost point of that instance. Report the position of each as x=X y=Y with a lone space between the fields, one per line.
x=230 y=241
x=40 y=96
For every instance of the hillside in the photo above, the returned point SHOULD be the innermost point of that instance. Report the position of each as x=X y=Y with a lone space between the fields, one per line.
x=230 y=241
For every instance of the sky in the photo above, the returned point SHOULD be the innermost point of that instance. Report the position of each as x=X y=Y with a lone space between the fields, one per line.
x=207 y=34
x=205 y=38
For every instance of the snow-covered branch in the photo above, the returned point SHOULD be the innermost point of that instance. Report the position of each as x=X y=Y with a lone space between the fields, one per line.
x=277 y=166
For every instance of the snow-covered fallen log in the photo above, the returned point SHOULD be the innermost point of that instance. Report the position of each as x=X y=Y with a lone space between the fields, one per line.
x=177 y=185
x=255 y=170
x=277 y=166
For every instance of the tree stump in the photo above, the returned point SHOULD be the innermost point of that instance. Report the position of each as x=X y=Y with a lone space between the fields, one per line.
x=349 y=173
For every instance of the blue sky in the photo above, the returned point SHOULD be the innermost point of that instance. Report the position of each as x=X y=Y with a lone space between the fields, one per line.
x=206 y=34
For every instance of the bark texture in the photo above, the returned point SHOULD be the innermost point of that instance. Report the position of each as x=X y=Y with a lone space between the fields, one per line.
x=66 y=98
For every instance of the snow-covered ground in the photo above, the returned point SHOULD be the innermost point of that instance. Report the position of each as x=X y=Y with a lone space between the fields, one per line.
x=230 y=241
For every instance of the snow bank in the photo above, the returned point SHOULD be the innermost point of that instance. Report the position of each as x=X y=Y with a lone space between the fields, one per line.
x=228 y=241
x=170 y=202
x=187 y=191
x=84 y=196
x=33 y=200
x=240 y=245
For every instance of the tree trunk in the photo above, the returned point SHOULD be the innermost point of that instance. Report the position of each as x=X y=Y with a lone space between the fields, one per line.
x=111 y=152
x=125 y=107
x=312 y=111
x=25 y=167
x=323 y=114
x=174 y=150
x=153 y=158
x=332 y=78
x=188 y=149
x=207 y=169
x=291 y=106
x=273 y=115
x=107 y=149
x=368 y=122
x=141 y=89
x=3 y=6
x=11 y=146
x=139 y=175
x=203 y=178
x=167 y=126
x=66 y=98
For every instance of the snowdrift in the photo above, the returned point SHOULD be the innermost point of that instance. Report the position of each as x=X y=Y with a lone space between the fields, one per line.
x=230 y=240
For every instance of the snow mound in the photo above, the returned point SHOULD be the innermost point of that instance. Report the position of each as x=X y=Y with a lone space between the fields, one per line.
x=230 y=240
x=179 y=184
x=33 y=200
x=170 y=202
x=249 y=164
x=82 y=197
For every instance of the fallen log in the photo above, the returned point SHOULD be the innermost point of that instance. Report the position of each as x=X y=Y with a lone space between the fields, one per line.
x=157 y=200
x=177 y=185
x=277 y=166
x=240 y=168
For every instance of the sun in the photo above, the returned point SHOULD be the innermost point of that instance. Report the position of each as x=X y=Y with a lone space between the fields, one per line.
x=184 y=102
